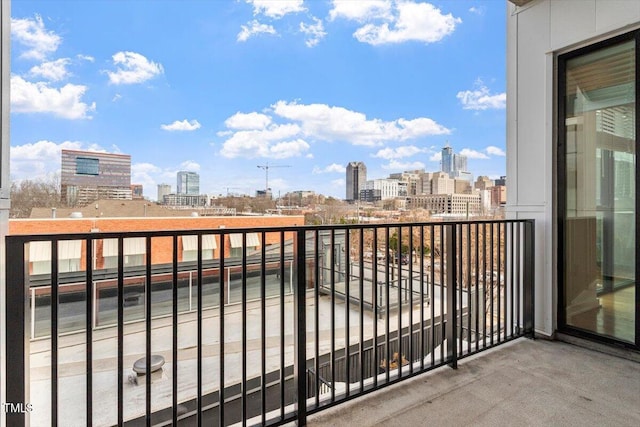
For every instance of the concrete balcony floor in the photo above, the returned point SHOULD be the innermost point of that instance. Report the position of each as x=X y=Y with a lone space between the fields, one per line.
x=523 y=383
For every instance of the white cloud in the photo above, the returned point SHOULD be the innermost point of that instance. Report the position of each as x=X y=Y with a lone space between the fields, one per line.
x=337 y=182
x=32 y=34
x=396 y=165
x=332 y=168
x=86 y=58
x=276 y=8
x=66 y=102
x=361 y=10
x=249 y=121
x=399 y=152
x=41 y=159
x=257 y=135
x=286 y=149
x=51 y=70
x=278 y=141
x=495 y=151
x=116 y=97
x=388 y=22
x=436 y=157
x=132 y=67
x=190 y=165
x=253 y=28
x=139 y=168
x=329 y=123
x=473 y=154
x=480 y=98
x=184 y=125
x=315 y=32
x=477 y=10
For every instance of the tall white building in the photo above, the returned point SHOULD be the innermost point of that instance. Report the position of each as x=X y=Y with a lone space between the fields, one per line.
x=163 y=190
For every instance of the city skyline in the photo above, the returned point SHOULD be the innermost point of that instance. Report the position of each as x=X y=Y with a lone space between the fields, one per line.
x=311 y=84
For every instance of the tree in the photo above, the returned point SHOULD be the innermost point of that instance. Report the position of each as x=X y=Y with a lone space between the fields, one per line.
x=28 y=194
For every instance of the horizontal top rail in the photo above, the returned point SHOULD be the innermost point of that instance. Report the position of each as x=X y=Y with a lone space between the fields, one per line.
x=227 y=231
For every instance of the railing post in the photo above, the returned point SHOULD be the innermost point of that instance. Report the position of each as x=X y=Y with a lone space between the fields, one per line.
x=452 y=312
x=528 y=279
x=17 y=322
x=300 y=335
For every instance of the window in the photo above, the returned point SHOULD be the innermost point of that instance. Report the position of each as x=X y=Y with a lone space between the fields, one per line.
x=253 y=242
x=597 y=192
x=190 y=247
x=87 y=166
x=135 y=250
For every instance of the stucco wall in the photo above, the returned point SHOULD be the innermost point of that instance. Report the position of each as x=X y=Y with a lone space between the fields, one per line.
x=536 y=34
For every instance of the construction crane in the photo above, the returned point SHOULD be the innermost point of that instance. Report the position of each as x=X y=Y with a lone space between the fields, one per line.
x=266 y=168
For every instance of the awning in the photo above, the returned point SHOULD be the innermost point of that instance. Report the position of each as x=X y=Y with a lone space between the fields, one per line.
x=236 y=240
x=132 y=246
x=67 y=249
x=190 y=243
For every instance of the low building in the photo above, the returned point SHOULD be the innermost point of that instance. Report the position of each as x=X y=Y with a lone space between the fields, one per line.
x=452 y=204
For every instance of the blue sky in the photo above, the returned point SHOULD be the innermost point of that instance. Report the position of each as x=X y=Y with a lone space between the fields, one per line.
x=220 y=87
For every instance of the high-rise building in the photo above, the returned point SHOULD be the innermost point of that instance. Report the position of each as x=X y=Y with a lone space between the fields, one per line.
x=447 y=159
x=188 y=183
x=163 y=190
x=356 y=178
x=455 y=165
x=87 y=176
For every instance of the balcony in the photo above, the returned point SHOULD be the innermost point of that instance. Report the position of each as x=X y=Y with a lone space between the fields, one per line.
x=261 y=326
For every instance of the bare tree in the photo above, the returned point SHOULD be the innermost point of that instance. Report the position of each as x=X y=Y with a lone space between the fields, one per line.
x=28 y=194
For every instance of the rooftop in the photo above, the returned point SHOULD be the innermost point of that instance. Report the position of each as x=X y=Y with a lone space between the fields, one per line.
x=525 y=382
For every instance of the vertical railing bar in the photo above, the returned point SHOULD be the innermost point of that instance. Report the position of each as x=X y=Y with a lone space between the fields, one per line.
x=120 y=330
x=17 y=343
x=501 y=276
x=316 y=299
x=199 y=332
x=361 y=308
x=518 y=278
x=491 y=255
x=347 y=284
x=174 y=345
x=477 y=296
x=332 y=271
x=300 y=324
x=263 y=319
x=529 y=280
x=511 y=253
x=89 y=329
x=387 y=296
x=484 y=285
x=222 y=286
x=432 y=292
x=469 y=302
x=55 y=299
x=442 y=292
x=244 y=329
x=410 y=256
x=452 y=304
x=147 y=307
x=422 y=331
x=459 y=283
x=374 y=298
x=398 y=259
x=282 y=328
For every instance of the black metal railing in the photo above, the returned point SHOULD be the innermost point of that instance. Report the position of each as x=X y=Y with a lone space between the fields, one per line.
x=297 y=320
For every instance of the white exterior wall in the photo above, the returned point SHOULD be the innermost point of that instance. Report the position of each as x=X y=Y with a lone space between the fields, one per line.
x=388 y=187
x=536 y=34
x=5 y=185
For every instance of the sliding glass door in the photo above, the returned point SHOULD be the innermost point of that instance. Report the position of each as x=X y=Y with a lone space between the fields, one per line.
x=597 y=194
